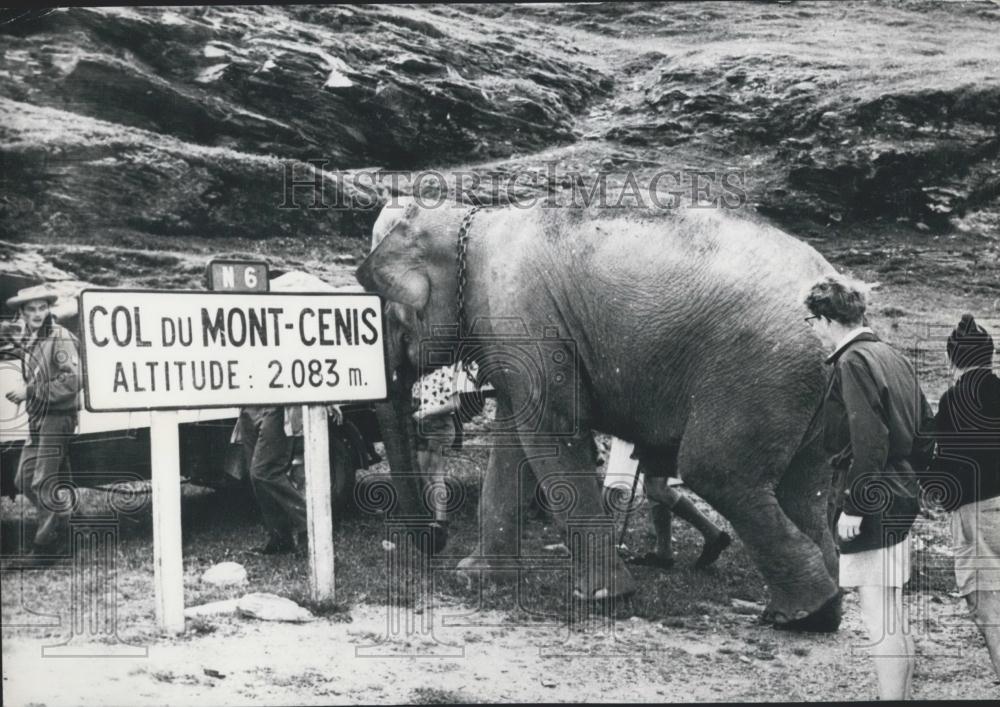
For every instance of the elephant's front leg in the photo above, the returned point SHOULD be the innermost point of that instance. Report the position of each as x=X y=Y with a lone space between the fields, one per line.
x=502 y=506
x=437 y=434
x=501 y=503
x=568 y=487
x=505 y=490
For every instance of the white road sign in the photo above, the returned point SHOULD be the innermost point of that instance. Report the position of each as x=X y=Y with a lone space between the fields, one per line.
x=165 y=350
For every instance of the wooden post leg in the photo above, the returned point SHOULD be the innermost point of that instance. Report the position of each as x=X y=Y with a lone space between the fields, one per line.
x=319 y=516
x=168 y=564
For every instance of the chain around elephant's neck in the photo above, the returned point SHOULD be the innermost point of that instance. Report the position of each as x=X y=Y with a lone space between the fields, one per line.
x=463 y=247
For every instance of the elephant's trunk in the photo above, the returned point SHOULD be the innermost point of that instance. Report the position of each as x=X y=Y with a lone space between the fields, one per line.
x=415 y=503
x=399 y=435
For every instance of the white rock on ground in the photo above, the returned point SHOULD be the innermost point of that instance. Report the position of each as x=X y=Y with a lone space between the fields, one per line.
x=225 y=574
x=271 y=607
x=741 y=606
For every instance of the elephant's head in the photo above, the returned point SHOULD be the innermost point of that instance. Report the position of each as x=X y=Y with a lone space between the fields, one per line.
x=407 y=269
x=414 y=263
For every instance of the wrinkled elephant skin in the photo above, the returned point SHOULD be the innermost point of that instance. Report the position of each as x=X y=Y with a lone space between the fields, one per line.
x=682 y=326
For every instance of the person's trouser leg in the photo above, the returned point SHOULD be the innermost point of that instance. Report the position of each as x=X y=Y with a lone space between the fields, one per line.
x=985 y=607
x=44 y=464
x=892 y=646
x=666 y=501
x=248 y=437
x=282 y=505
x=661 y=499
x=685 y=509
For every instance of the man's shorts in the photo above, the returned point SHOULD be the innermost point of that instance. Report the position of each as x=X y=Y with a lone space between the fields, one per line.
x=883 y=567
x=975 y=535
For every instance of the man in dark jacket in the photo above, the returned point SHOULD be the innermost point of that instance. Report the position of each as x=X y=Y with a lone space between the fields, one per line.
x=50 y=367
x=968 y=433
x=873 y=411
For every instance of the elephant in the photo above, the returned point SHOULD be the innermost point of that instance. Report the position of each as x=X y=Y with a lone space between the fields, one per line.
x=679 y=330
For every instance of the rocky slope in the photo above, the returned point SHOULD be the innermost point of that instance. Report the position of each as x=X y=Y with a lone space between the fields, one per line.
x=152 y=123
x=183 y=121
x=837 y=112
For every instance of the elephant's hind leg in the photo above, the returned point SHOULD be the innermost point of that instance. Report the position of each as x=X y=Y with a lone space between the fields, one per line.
x=804 y=496
x=732 y=473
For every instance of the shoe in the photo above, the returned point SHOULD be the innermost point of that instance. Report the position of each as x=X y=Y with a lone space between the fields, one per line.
x=276 y=545
x=650 y=559
x=710 y=553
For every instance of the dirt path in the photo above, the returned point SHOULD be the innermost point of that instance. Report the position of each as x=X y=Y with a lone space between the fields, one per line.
x=720 y=655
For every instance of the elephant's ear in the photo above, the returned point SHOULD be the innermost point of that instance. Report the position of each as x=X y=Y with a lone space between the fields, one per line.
x=395 y=283
x=395 y=268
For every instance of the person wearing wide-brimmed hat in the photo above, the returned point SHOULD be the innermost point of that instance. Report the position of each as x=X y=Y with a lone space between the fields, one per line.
x=50 y=367
x=967 y=426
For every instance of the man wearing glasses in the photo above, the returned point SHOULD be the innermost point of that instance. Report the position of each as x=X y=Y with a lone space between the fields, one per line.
x=873 y=410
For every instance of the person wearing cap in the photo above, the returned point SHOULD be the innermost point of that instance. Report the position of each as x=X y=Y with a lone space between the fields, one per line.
x=874 y=412
x=967 y=426
x=51 y=370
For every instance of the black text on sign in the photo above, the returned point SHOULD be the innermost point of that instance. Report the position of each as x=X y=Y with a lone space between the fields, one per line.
x=169 y=350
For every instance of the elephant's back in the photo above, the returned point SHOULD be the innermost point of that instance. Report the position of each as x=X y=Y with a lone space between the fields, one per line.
x=691 y=264
x=704 y=309
x=700 y=245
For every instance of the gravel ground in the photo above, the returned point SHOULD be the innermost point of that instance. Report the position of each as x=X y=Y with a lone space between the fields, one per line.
x=484 y=656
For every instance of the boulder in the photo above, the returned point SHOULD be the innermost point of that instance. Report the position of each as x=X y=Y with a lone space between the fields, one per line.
x=225 y=574
x=271 y=607
x=751 y=608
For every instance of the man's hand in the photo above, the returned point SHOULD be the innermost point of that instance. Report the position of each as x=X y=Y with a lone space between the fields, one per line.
x=334 y=411
x=18 y=394
x=848 y=527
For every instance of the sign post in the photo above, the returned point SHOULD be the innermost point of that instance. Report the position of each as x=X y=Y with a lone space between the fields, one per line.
x=168 y=562
x=319 y=517
x=165 y=351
